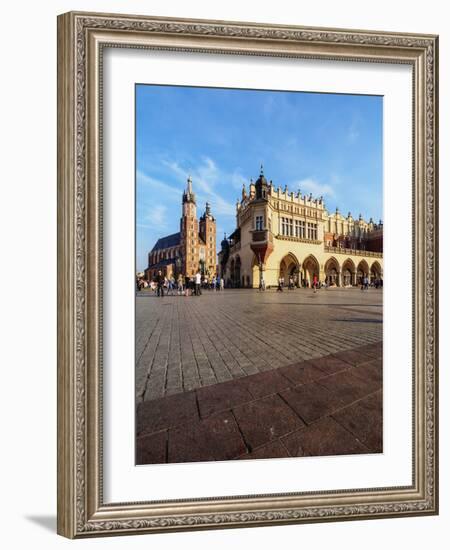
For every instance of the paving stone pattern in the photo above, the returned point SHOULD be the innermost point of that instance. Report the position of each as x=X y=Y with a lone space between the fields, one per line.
x=330 y=405
x=186 y=343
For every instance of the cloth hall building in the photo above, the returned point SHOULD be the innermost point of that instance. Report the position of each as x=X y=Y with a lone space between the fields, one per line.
x=282 y=234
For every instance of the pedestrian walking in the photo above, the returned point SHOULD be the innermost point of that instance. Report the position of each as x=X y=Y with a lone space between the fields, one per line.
x=180 y=284
x=280 y=285
x=222 y=284
x=170 y=286
x=159 y=280
x=291 y=283
x=198 y=284
x=315 y=283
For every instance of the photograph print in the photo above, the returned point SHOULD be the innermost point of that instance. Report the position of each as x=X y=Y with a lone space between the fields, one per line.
x=258 y=275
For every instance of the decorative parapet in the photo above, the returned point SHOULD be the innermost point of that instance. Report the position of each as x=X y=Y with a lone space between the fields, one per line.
x=298 y=239
x=352 y=252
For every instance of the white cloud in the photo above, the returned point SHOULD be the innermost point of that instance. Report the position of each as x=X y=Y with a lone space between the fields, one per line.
x=157 y=185
x=154 y=217
x=206 y=176
x=310 y=185
x=157 y=215
x=219 y=205
x=237 y=179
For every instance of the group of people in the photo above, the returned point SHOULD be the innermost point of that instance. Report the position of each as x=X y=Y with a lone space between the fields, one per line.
x=292 y=284
x=316 y=284
x=182 y=286
x=365 y=283
x=192 y=286
x=377 y=283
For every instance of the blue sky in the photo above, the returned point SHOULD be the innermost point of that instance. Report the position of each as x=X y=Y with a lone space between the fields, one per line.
x=324 y=144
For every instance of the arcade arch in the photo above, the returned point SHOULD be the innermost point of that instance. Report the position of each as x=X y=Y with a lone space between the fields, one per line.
x=290 y=267
x=310 y=269
x=332 y=272
x=348 y=273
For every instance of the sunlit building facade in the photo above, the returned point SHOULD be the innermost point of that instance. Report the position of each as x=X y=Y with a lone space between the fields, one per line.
x=287 y=235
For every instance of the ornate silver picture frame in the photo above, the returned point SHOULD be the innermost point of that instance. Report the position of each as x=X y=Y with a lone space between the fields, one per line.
x=82 y=40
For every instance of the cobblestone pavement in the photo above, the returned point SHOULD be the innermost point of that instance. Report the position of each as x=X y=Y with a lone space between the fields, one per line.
x=331 y=405
x=187 y=343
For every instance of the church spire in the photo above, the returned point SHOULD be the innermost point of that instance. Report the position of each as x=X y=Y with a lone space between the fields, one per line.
x=189 y=195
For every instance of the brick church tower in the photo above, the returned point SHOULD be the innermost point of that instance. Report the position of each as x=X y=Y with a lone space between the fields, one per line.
x=208 y=240
x=190 y=250
x=189 y=232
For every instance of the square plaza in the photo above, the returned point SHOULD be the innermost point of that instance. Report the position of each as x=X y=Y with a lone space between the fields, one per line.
x=282 y=355
x=241 y=373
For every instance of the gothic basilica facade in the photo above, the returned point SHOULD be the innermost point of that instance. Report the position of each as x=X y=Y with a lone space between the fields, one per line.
x=191 y=249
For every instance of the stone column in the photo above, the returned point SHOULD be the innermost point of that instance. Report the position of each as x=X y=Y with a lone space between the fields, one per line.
x=262 y=268
x=339 y=281
x=354 y=278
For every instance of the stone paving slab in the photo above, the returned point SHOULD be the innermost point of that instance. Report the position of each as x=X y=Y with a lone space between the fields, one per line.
x=221 y=397
x=166 y=412
x=265 y=383
x=265 y=419
x=185 y=343
x=373 y=350
x=301 y=373
x=325 y=437
x=296 y=410
x=364 y=421
x=216 y=438
x=372 y=371
x=152 y=449
x=312 y=401
x=269 y=450
x=353 y=357
x=348 y=387
x=330 y=364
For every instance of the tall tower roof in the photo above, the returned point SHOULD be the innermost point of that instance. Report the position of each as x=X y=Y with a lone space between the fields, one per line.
x=262 y=178
x=261 y=183
x=189 y=195
x=207 y=214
